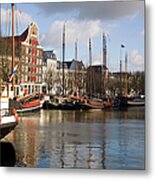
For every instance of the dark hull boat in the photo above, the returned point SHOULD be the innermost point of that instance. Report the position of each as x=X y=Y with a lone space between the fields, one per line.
x=51 y=105
x=7 y=122
x=129 y=102
x=6 y=128
x=63 y=103
x=71 y=106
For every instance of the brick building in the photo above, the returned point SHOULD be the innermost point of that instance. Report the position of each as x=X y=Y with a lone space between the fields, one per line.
x=28 y=56
x=97 y=77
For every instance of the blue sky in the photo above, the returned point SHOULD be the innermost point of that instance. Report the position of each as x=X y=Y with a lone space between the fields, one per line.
x=123 y=21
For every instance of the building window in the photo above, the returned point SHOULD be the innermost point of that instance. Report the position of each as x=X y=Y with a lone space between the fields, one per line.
x=32 y=89
x=29 y=59
x=29 y=89
x=29 y=50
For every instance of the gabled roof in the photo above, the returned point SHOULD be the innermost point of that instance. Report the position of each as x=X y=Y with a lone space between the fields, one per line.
x=6 y=43
x=18 y=39
x=72 y=66
x=67 y=64
x=49 y=55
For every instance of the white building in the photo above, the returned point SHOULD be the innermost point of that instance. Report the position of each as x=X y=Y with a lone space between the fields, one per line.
x=74 y=75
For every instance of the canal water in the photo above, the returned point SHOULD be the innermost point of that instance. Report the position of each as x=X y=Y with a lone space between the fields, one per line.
x=107 y=139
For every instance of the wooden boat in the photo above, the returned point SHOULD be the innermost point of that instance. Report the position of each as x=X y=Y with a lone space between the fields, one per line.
x=28 y=103
x=30 y=106
x=130 y=101
x=96 y=104
x=136 y=102
x=90 y=103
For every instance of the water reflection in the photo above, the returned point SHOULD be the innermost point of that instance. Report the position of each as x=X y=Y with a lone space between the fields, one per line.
x=111 y=139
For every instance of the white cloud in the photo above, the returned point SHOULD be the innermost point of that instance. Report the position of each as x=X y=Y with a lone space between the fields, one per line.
x=136 y=61
x=75 y=29
x=22 y=20
x=135 y=58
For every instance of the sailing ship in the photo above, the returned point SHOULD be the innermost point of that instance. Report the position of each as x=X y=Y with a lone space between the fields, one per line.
x=29 y=97
x=64 y=101
x=125 y=100
x=8 y=116
x=103 y=102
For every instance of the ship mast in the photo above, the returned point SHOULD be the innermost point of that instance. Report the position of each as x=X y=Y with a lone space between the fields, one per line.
x=63 y=60
x=13 y=44
x=90 y=70
x=76 y=67
x=104 y=63
x=126 y=75
x=120 y=77
x=122 y=46
x=0 y=55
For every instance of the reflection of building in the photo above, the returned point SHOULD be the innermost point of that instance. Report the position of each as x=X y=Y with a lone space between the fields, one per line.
x=95 y=80
x=28 y=56
x=74 y=75
x=26 y=139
